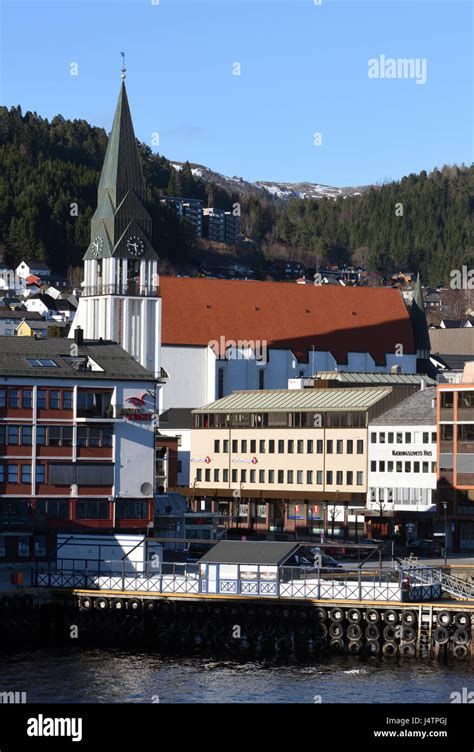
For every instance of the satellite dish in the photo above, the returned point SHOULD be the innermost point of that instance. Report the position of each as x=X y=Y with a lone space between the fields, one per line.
x=146 y=489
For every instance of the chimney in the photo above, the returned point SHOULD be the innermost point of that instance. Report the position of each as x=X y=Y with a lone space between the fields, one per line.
x=422 y=385
x=79 y=336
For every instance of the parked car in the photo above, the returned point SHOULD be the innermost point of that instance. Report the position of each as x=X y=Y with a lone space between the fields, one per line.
x=424 y=547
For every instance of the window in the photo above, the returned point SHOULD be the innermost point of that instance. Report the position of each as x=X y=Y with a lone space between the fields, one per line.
x=27 y=398
x=99 y=510
x=446 y=432
x=54 y=400
x=360 y=478
x=41 y=398
x=243 y=475
x=300 y=446
x=319 y=477
x=12 y=473
x=408 y=467
x=40 y=473
x=281 y=446
x=390 y=438
x=234 y=476
x=261 y=446
x=235 y=446
x=373 y=438
x=399 y=438
x=339 y=446
x=373 y=466
x=389 y=467
x=416 y=467
x=382 y=438
x=281 y=476
x=408 y=438
x=350 y=446
x=399 y=467
x=26 y=435
x=360 y=446
x=225 y=446
x=253 y=446
x=309 y=446
x=12 y=434
x=216 y=475
x=290 y=446
x=2 y=473
x=41 y=435
x=243 y=446
x=271 y=476
x=216 y=445
x=261 y=476
x=339 y=480
x=309 y=477
x=329 y=477
x=91 y=404
x=53 y=508
x=289 y=476
x=26 y=473
x=13 y=398
x=382 y=466
x=261 y=379
x=3 y=397
x=349 y=478
x=207 y=475
x=23 y=545
x=319 y=446
x=42 y=362
x=220 y=383
x=426 y=467
x=253 y=476
x=329 y=446
x=54 y=435
x=299 y=477
x=433 y=437
x=426 y=437
x=271 y=446
x=225 y=475
x=67 y=400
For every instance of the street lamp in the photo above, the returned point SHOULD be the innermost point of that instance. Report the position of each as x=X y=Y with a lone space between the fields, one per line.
x=445 y=506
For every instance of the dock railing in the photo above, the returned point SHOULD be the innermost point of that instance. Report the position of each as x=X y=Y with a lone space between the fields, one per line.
x=374 y=584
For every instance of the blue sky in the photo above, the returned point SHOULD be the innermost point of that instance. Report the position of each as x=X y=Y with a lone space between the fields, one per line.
x=304 y=70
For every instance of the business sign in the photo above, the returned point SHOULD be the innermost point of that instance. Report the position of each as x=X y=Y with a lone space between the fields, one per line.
x=206 y=460
x=247 y=460
x=138 y=408
x=412 y=453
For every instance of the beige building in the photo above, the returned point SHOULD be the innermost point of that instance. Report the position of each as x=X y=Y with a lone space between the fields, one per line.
x=277 y=460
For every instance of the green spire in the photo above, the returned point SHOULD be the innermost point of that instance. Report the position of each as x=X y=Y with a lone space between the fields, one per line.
x=418 y=319
x=121 y=216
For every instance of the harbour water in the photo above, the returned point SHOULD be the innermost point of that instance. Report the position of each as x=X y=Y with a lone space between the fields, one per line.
x=117 y=676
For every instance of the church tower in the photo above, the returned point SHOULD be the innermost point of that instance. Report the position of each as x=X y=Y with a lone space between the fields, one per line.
x=120 y=299
x=420 y=330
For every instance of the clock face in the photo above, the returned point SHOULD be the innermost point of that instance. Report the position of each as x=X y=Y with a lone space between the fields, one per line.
x=135 y=246
x=97 y=245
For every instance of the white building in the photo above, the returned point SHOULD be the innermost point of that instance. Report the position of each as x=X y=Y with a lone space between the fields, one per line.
x=221 y=336
x=402 y=464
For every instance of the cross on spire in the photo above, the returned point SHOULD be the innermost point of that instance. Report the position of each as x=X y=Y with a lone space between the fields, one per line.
x=124 y=70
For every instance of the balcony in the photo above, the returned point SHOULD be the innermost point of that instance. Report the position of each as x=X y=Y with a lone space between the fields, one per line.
x=131 y=288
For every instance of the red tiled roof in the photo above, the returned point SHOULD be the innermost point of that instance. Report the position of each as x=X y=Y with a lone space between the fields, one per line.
x=287 y=316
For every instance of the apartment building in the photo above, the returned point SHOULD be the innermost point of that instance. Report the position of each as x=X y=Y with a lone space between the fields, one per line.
x=455 y=418
x=281 y=460
x=77 y=442
x=190 y=209
x=402 y=467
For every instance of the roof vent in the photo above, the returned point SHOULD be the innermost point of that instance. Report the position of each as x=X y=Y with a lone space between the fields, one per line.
x=208 y=306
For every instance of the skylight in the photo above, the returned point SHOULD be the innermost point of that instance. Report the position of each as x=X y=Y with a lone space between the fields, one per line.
x=42 y=363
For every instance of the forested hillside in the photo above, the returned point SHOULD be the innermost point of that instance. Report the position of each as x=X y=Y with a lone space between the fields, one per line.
x=422 y=222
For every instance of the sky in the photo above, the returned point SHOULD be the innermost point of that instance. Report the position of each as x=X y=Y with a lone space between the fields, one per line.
x=304 y=70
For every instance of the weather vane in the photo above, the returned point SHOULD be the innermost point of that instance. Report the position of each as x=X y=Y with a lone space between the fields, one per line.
x=124 y=70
